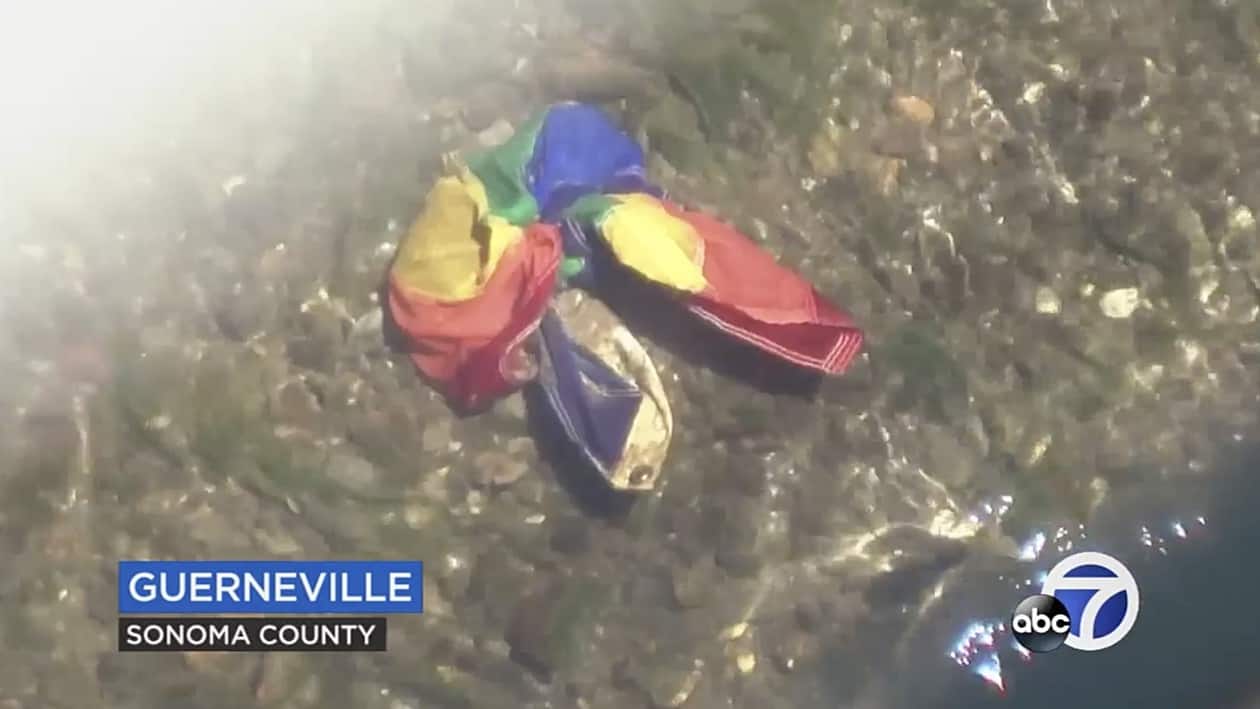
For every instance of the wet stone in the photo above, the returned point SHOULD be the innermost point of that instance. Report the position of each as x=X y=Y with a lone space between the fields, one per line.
x=512 y=407
x=789 y=648
x=454 y=572
x=316 y=344
x=313 y=353
x=436 y=436
x=747 y=474
x=383 y=434
x=352 y=472
x=245 y=310
x=367 y=334
x=571 y=536
x=1119 y=303
x=497 y=583
x=549 y=627
x=667 y=680
x=294 y=403
x=694 y=583
x=946 y=458
x=739 y=545
x=497 y=469
x=914 y=109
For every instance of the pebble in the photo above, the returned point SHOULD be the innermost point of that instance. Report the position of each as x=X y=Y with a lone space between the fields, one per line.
x=571 y=536
x=670 y=686
x=367 y=333
x=794 y=647
x=693 y=583
x=352 y=472
x=1241 y=219
x=436 y=436
x=916 y=109
x=1048 y=302
x=513 y=406
x=497 y=469
x=550 y=627
x=1119 y=303
x=497 y=134
x=882 y=173
x=454 y=575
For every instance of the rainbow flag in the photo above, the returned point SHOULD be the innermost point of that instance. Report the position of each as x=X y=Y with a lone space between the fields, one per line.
x=503 y=233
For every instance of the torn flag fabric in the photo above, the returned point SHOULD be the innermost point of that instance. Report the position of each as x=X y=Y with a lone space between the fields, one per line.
x=481 y=287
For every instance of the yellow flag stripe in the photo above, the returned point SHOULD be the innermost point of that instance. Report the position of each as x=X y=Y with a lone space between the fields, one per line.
x=646 y=238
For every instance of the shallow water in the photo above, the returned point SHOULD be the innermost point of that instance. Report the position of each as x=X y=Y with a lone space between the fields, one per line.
x=1043 y=213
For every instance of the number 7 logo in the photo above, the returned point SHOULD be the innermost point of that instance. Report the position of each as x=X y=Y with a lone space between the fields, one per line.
x=1100 y=622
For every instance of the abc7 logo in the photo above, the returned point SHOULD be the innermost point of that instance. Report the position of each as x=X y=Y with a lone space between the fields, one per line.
x=1041 y=623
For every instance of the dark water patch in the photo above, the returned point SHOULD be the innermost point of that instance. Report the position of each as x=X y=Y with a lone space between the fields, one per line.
x=1195 y=644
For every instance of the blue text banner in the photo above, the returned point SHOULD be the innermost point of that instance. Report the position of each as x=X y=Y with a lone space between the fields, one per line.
x=270 y=587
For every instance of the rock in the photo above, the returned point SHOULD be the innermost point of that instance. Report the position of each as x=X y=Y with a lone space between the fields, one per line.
x=571 y=536
x=1119 y=303
x=899 y=140
x=793 y=648
x=922 y=560
x=747 y=474
x=882 y=172
x=550 y=627
x=946 y=458
x=318 y=336
x=669 y=682
x=498 y=582
x=829 y=150
x=585 y=73
x=382 y=429
x=1047 y=301
x=294 y=404
x=672 y=129
x=353 y=473
x=313 y=353
x=245 y=310
x=914 y=109
x=513 y=407
x=485 y=105
x=436 y=436
x=497 y=469
x=693 y=583
x=739 y=546
x=276 y=678
x=497 y=134
x=454 y=575
x=367 y=335
x=1241 y=219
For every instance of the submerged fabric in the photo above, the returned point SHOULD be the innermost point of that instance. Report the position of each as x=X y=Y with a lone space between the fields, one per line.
x=593 y=403
x=453 y=247
x=579 y=151
x=654 y=243
x=724 y=277
x=604 y=392
x=753 y=298
x=559 y=205
x=472 y=349
x=503 y=171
